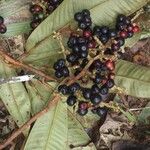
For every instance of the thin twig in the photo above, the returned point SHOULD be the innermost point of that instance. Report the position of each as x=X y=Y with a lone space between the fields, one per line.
x=17 y=63
x=28 y=123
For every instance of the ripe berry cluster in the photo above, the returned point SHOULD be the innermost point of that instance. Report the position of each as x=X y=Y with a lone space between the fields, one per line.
x=42 y=10
x=93 y=88
x=3 y=28
x=83 y=18
x=60 y=69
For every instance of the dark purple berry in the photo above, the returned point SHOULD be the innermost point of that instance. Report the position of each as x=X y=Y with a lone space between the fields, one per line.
x=76 y=48
x=81 y=40
x=104 y=39
x=115 y=46
x=104 y=90
x=82 y=25
x=98 y=78
x=92 y=44
x=63 y=89
x=50 y=8
x=102 y=112
x=3 y=29
x=84 y=63
x=34 y=9
x=130 y=34
x=74 y=87
x=83 y=48
x=71 y=100
x=78 y=16
x=87 y=20
x=86 y=12
x=72 y=58
x=120 y=26
x=86 y=93
x=120 y=41
x=95 y=98
x=1 y=20
x=58 y=73
x=34 y=24
x=108 y=51
x=82 y=112
x=104 y=30
x=112 y=33
x=65 y=71
x=121 y=18
x=95 y=89
x=59 y=64
x=110 y=83
x=84 y=54
x=127 y=21
x=97 y=30
x=72 y=40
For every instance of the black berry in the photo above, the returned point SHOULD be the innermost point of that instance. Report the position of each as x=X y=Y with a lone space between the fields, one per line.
x=82 y=112
x=71 y=100
x=63 y=89
x=1 y=20
x=95 y=98
x=86 y=93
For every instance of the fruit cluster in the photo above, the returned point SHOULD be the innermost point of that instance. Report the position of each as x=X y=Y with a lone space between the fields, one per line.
x=3 y=28
x=42 y=10
x=90 y=44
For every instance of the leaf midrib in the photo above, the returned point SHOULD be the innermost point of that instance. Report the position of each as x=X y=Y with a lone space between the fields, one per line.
x=131 y=78
x=51 y=125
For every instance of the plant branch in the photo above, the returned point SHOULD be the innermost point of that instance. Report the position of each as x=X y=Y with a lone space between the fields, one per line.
x=29 y=122
x=14 y=62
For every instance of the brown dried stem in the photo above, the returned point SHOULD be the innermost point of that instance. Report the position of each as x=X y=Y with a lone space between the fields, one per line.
x=28 y=123
x=17 y=63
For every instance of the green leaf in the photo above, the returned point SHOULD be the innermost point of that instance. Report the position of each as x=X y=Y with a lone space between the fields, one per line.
x=50 y=131
x=77 y=136
x=135 y=79
x=145 y=115
x=131 y=41
x=39 y=94
x=14 y=96
x=41 y=47
x=17 y=29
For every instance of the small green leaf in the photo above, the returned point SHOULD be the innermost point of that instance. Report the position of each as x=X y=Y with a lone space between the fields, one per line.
x=135 y=79
x=50 y=131
x=14 y=96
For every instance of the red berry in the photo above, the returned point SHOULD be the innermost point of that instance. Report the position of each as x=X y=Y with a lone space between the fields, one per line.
x=87 y=33
x=3 y=29
x=110 y=65
x=83 y=105
x=92 y=44
x=123 y=34
x=136 y=29
x=104 y=81
x=130 y=28
x=111 y=76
